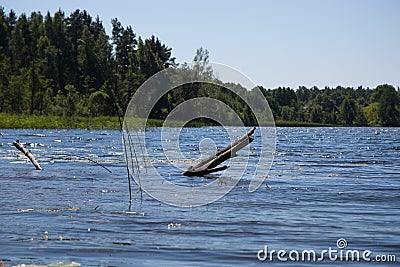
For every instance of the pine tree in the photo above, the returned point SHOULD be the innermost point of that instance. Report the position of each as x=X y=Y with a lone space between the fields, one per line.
x=389 y=105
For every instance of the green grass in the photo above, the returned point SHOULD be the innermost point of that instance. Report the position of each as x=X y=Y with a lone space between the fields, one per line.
x=8 y=121
x=302 y=124
x=55 y=122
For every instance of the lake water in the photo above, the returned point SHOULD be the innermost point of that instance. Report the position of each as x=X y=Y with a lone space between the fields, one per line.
x=325 y=184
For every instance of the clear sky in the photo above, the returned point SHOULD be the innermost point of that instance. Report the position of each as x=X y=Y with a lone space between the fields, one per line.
x=275 y=43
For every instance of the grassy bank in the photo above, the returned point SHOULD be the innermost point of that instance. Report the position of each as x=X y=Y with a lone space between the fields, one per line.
x=8 y=121
x=302 y=124
x=55 y=122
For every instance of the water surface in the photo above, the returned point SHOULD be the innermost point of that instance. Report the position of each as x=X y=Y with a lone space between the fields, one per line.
x=325 y=184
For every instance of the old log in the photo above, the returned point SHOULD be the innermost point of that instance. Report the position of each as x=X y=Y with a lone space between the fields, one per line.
x=28 y=154
x=209 y=165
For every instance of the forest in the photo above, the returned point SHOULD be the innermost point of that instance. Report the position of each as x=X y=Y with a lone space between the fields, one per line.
x=62 y=65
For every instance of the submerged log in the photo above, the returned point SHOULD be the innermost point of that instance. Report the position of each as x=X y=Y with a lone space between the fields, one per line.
x=28 y=154
x=209 y=165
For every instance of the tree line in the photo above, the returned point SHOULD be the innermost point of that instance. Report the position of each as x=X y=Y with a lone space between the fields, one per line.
x=341 y=105
x=67 y=65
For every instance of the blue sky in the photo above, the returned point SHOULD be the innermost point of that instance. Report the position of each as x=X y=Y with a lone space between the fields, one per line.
x=275 y=43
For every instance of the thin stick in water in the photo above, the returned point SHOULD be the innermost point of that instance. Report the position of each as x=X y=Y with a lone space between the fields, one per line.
x=101 y=165
x=137 y=164
x=28 y=154
x=123 y=140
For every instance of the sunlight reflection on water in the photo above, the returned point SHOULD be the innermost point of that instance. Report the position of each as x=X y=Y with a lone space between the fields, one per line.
x=325 y=183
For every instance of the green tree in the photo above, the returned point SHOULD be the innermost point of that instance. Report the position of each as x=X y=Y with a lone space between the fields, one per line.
x=4 y=31
x=124 y=42
x=389 y=114
x=21 y=44
x=99 y=103
x=152 y=56
x=124 y=45
x=371 y=113
x=58 y=51
x=75 y=24
x=17 y=93
x=201 y=67
x=348 y=111
x=316 y=114
x=33 y=85
x=5 y=74
x=86 y=60
x=103 y=56
x=361 y=119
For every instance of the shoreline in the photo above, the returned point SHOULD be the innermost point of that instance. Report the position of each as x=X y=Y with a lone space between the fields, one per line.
x=12 y=121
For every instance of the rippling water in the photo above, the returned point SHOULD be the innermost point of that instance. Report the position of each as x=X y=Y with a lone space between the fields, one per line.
x=324 y=184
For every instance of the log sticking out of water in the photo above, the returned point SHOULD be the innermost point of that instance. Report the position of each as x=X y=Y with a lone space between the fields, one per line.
x=28 y=154
x=209 y=165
